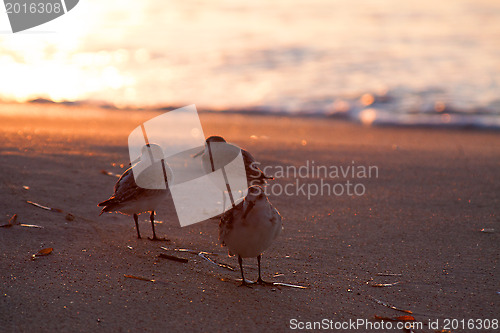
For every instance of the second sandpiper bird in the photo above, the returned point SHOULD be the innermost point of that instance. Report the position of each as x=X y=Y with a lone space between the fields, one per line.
x=130 y=199
x=249 y=229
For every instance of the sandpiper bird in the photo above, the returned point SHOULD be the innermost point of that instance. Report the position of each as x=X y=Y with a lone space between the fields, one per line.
x=249 y=229
x=254 y=175
x=129 y=198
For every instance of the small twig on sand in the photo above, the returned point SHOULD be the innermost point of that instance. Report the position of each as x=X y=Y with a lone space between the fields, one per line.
x=68 y=217
x=13 y=221
x=143 y=279
x=389 y=274
x=138 y=278
x=174 y=258
x=107 y=173
x=226 y=266
x=399 y=318
x=204 y=255
x=384 y=284
x=44 y=207
x=288 y=285
x=389 y=306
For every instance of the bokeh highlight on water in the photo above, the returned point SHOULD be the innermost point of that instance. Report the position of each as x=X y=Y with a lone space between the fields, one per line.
x=378 y=62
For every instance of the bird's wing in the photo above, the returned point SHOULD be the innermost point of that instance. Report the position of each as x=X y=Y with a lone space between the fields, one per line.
x=227 y=220
x=225 y=224
x=274 y=217
x=125 y=188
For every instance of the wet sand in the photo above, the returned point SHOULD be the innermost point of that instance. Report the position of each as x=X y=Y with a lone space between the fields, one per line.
x=420 y=219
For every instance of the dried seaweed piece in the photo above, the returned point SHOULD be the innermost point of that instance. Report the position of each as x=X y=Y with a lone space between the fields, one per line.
x=12 y=221
x=42 y=252
x=44 y=207
x=390 y=306
x=174 y=258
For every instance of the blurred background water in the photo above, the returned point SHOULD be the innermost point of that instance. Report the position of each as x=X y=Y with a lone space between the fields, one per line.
x=382 y=62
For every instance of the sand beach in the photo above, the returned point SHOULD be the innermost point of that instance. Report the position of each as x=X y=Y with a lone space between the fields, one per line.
x=427 y=225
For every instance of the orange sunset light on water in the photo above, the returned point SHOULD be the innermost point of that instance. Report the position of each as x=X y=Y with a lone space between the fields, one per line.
x=55 y=61
x=294 y=56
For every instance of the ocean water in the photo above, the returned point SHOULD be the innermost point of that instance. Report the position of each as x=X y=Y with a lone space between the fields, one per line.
x=397 y=62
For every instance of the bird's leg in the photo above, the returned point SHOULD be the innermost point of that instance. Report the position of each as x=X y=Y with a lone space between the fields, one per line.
x=243 y=281
x=136 y=219
x=259 y=280
x=154 y=238
x=223 y=202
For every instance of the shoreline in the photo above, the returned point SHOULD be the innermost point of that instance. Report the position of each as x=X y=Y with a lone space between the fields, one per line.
x=423 y=120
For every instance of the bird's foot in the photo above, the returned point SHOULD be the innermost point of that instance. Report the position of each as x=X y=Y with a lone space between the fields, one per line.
x=264 y=283
x=159 y=239
x=245 y=284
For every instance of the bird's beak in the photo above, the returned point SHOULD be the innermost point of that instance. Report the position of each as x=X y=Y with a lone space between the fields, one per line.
x=197 y=154
x=134 y=161
x=249 y=208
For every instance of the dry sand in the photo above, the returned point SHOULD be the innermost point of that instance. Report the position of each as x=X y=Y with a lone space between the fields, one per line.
x=420 y=218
